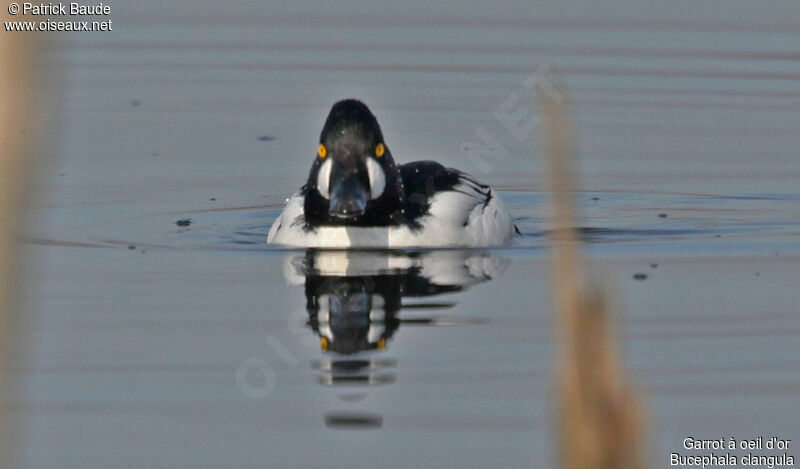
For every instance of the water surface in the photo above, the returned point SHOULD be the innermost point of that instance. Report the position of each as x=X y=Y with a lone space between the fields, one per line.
x=149 y=344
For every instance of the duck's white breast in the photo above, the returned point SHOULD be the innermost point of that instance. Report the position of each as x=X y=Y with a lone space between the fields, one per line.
x=487 y=224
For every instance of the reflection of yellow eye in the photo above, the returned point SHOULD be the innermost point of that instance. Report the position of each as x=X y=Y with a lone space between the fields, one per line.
x=380 y=150
x=381 y=343
x=322 y=151
x=323 y=341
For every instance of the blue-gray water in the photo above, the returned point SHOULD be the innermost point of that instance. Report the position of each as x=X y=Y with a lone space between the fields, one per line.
x=210 y=111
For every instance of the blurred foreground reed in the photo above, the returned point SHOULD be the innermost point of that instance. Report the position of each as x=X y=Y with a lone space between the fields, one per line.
x=16 y=140
x=600 y=421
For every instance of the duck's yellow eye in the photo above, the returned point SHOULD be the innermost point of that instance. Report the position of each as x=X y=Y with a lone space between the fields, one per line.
x=322 y=151
x=380 y=150
x=323 y=341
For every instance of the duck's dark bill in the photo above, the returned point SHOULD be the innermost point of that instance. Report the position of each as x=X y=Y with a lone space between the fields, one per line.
x=348 y=197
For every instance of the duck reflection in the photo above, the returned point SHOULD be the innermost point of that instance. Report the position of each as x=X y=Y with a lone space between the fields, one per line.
x=353 y=298
x=353 y=314
x=354 y=301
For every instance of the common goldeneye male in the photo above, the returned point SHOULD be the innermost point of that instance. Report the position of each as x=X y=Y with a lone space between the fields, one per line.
x=356 y=196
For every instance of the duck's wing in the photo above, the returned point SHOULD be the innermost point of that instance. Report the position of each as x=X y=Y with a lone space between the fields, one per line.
x=423 y=180
x=466 y=212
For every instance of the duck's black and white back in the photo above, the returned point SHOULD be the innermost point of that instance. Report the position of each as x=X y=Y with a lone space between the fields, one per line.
x=356 y=196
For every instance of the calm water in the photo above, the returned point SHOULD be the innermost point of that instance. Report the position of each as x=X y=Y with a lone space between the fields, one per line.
x=148 y=344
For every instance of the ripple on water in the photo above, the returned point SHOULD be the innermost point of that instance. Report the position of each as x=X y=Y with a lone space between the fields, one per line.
x=660 y=222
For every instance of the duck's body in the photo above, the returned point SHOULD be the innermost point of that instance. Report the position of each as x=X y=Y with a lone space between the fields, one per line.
x=356 y=196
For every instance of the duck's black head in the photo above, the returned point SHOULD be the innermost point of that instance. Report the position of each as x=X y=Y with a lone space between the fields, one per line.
x=354 y=180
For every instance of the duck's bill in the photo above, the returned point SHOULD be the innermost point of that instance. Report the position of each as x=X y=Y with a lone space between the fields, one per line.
x=348 y=198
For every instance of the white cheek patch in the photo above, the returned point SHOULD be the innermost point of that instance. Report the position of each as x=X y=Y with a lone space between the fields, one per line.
x=324 y=179
x=377 y=179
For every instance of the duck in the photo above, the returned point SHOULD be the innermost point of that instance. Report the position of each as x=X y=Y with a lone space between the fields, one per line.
x=356 y=196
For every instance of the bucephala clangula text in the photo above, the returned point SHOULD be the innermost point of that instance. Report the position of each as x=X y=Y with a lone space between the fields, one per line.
x=356 y=196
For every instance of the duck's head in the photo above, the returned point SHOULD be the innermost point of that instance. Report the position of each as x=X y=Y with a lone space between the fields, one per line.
x=354 y=180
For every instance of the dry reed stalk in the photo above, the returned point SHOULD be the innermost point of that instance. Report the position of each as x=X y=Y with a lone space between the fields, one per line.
x=16 y=87
x=600 y=418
